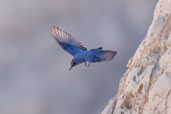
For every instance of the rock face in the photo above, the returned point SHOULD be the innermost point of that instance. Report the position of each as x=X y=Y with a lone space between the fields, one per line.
x=145 y=88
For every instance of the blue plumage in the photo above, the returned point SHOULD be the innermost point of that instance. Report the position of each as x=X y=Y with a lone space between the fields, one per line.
x=72 y=49
x=78 y=51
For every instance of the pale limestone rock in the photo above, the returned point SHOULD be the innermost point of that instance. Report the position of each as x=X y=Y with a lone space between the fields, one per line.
x=145 y=88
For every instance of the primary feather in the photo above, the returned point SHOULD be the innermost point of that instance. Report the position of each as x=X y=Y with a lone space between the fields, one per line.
x=66 y=41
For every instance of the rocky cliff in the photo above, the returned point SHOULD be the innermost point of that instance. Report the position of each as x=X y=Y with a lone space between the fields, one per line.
x=145 y=88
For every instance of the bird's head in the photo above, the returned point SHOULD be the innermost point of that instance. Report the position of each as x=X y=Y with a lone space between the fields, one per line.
x=75 y=62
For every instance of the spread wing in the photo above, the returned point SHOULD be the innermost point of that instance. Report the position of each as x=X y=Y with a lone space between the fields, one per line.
x=66 y=41
x=102 y=55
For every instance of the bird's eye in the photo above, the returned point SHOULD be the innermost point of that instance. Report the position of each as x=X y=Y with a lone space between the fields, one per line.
x=74 y=63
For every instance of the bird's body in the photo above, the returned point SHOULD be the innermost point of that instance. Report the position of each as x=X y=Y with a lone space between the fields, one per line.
x=90 y=55
x=87 y=56
x=78 y=51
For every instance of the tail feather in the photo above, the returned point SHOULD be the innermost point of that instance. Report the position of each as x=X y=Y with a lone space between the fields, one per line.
x=107 y=55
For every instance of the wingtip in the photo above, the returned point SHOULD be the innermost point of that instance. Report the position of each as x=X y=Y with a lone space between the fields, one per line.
x=53 y=31
x=52 y=27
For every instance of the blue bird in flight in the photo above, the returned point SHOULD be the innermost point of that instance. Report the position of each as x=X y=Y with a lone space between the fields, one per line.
x=78 y=50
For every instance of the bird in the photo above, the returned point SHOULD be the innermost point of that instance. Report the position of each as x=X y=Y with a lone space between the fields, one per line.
x=79 y=52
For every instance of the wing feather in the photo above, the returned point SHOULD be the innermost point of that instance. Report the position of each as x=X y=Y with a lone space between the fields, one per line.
x=67 y=42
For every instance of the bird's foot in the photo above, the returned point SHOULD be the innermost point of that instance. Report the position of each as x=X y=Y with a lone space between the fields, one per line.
x=87 y=65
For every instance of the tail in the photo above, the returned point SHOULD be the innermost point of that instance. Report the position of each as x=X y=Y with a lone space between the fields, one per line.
x=102 y=55
x=107 y=55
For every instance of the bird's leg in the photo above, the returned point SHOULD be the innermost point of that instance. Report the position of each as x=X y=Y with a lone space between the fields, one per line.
x=88 y=64
x=85 y=63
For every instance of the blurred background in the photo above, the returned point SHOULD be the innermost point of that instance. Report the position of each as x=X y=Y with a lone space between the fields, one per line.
x=34 y=76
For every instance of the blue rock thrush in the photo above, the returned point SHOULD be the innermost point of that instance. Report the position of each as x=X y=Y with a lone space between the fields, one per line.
x=78 y=50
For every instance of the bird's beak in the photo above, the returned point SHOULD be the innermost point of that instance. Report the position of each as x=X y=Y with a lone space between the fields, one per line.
x=70 y=68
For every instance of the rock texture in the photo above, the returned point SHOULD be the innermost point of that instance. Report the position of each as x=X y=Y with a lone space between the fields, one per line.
x=145 y=88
